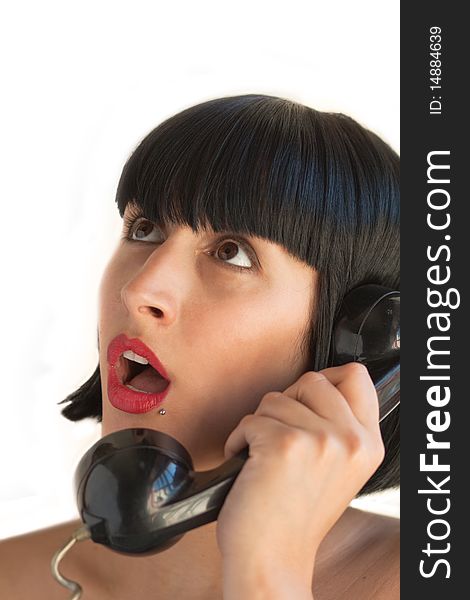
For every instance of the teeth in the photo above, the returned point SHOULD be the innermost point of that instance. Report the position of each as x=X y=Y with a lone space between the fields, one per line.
x=131 y=387
x=135 y=357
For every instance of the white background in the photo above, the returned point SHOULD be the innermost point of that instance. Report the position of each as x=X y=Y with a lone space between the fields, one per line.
x=82 y=83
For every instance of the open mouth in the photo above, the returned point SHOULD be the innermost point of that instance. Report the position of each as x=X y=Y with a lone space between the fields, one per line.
x=140 y=377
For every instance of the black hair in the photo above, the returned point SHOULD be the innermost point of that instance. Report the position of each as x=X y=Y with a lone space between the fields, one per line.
x=318 y=183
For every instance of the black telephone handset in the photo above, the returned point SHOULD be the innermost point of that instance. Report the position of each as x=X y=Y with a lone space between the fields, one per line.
x=136 y=489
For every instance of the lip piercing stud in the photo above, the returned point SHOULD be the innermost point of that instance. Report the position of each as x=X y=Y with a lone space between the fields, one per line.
x=162 y=411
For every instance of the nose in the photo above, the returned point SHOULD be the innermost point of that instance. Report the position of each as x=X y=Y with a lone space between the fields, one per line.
x=157 y=288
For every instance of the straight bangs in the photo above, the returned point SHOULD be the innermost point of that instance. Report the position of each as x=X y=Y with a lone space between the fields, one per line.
x=258 y=165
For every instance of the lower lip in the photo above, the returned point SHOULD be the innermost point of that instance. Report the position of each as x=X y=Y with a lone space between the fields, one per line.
x=122 y=398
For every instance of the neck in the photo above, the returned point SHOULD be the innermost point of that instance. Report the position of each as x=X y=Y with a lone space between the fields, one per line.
x=192 y=567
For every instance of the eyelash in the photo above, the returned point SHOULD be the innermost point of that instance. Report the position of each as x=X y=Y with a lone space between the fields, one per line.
x=130 y=220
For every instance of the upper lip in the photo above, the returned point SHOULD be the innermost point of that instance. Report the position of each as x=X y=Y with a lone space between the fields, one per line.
x=121 y=343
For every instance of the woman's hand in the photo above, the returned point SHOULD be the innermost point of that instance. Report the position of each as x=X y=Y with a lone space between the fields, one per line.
x=312 y=448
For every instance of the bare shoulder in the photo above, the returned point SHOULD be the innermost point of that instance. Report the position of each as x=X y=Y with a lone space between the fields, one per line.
x=367 y=565
x=379 y=579
x=25 y=561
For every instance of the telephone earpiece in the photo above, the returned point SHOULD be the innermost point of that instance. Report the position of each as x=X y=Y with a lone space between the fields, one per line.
x=367 y=330
x=136 y=489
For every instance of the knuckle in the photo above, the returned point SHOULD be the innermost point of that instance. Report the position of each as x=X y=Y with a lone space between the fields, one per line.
x=326 y=442
x=349 y=443
x=354 y=443
x=246 y=419
x=363 y=450
x=293 y=441
x=268 y=398
x=310 y=377
x=356 y=368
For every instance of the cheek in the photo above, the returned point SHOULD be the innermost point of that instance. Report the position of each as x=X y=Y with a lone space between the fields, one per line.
x=109 y=290
x=245 y=348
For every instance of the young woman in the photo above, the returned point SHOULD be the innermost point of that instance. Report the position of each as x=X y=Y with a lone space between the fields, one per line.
x=246 y=220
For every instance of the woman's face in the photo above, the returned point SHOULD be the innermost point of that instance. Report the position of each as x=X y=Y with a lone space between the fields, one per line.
x=225 y=336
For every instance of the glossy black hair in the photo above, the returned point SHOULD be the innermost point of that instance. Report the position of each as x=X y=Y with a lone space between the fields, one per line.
x=318 y=183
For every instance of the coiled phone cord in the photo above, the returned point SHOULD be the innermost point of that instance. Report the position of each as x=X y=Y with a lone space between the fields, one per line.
x=80 y=534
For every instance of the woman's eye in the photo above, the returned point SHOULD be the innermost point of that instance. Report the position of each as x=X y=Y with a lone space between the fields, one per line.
x=233 y=253
x=141 y=228
x=231 y=250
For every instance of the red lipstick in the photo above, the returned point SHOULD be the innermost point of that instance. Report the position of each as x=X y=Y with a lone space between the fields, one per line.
x=120 y=396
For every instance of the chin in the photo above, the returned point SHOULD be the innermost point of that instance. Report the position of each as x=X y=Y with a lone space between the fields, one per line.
x=116 y=420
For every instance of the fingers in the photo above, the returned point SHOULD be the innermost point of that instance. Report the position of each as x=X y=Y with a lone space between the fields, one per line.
x=254 y=431
x=277 y=409
x=290 y=412
x=338 y=393
x=315 y=391
x=339 y=397
x=355 y=384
